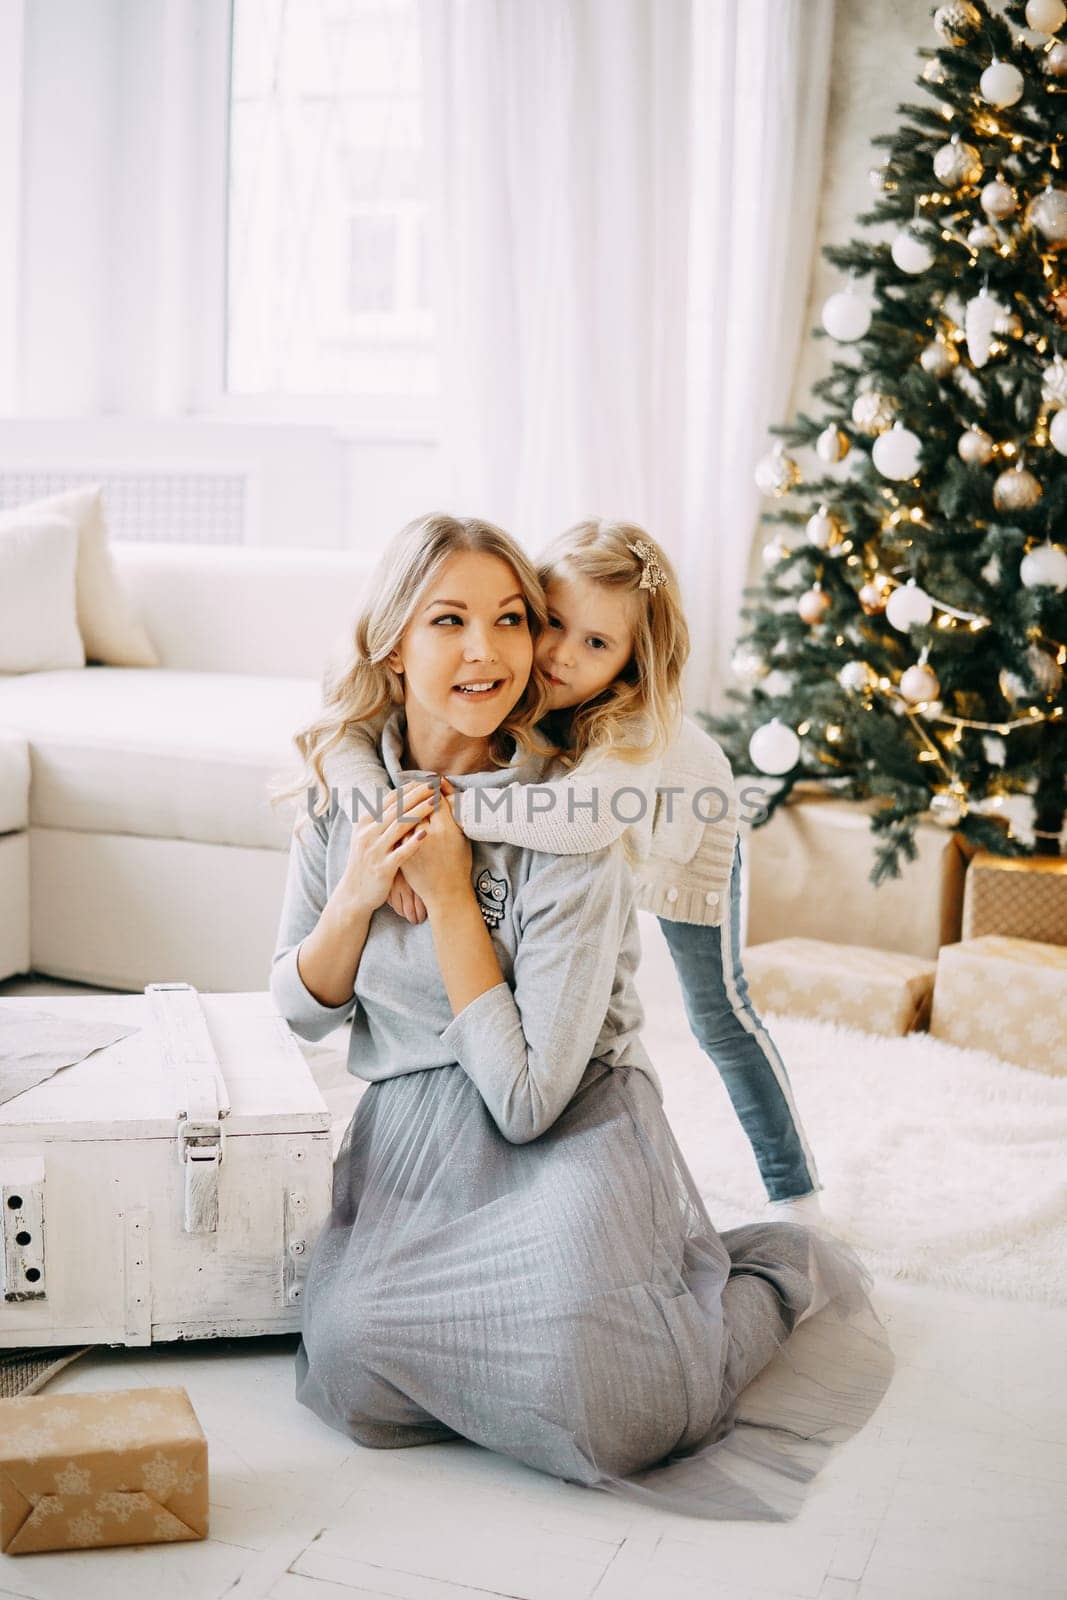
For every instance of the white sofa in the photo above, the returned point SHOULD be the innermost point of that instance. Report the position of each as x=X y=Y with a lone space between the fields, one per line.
x=137 y=844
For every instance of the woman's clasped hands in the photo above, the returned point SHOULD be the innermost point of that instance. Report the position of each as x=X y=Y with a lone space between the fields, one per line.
x=382 y=852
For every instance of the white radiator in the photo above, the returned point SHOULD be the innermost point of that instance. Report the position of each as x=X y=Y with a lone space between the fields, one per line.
x=168 y=505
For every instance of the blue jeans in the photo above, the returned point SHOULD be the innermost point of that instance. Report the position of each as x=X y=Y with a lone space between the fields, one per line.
x=728 y=1029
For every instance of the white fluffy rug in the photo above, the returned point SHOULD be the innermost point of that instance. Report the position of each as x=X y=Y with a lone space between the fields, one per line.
x=938 y=1164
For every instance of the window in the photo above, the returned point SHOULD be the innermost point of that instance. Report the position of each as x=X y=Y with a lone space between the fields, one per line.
x=326 y=272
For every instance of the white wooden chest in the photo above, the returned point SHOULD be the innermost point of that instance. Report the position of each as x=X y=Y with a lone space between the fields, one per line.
x=170 y=1186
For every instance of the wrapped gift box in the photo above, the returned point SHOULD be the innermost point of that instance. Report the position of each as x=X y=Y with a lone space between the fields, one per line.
x=1021 y=897
x=125 y=1466
x=880 y=991
x=1007 y=996
x=809 y=876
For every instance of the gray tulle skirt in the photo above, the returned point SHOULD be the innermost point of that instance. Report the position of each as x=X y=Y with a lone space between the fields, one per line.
x=569 y=1303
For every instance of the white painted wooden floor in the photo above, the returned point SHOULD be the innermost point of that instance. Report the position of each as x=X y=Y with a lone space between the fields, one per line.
x=957 y=1490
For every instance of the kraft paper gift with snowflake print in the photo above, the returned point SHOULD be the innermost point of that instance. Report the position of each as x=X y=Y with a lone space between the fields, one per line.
x=1007 y=996
x=880 y=991
x=124 y=1466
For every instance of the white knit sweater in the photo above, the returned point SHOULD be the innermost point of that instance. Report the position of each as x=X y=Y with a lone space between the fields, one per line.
x=679 y=815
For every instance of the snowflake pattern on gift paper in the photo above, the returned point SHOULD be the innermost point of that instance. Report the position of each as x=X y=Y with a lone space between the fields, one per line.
x=114 y=1432
x=145 y=1410
x=122 y=1503
x=85 y=1528
x=44 y=1505
x=73 y=1479
x=161 y=1475
x=168 y=1526
x=188 y=1480
x=35 y=1440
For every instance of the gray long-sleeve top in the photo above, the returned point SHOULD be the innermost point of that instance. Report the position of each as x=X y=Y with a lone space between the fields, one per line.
x=566 y=935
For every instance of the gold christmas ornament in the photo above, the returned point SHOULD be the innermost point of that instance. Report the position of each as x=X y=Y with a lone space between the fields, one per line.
x=939 y=358
x=777 y=473
x=919 y=683
x=1016 y=490
x=998 y=200
x=872 y=412
x=957 y=164
x=872 y=599
x=975 y=447
x=1045 y=671
x=954 y=24
x=832 y=445
x=1047 y=212
x=813 y=606
x=1054 y=383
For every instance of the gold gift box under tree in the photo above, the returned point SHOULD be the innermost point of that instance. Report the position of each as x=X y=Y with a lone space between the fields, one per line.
x=117 y=1466
x=879 y=991
x=1006 y=996
x=1020 y=897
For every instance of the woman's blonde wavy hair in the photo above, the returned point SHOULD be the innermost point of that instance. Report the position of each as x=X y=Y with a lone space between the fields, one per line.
x=637 y=716
x=365 y=686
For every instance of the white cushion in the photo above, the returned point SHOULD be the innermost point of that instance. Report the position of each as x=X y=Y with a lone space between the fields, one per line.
x=161 y=754
x=109 y=628
x=14 y=782
x=38 y=620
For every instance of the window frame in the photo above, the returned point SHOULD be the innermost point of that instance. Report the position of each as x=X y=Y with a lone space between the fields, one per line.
x=370 y=416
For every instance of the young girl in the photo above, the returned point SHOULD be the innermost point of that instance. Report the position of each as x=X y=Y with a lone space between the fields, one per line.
x=516 y=1252
x=612 y=658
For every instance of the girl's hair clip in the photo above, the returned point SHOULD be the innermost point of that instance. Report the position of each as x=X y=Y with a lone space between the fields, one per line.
x=652 y=574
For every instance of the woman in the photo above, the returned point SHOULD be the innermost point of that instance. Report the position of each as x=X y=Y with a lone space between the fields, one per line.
x=517 y=1253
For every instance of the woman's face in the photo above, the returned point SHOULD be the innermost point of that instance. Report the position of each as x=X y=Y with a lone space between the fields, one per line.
x=467 y=652
x=588 y=641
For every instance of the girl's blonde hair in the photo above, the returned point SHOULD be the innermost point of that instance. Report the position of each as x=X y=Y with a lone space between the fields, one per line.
x=637 y=716
x=365 y=686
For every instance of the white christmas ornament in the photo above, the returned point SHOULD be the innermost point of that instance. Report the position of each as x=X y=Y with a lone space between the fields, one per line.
x=846 y=316
x=998 y=200
x=1058 y=432
x=980 y=324
x=975 y=447
x=911 y=253
x=909 y=607
x=777 y=473
x=774 y=748
x=1001 y=84
x=919 y=683
x=1045 y=16
x=822 y=529
x=777 y=683
x=1045 y=567
x=832 y=444
x=748 y=664
x=854 y=675
x=896 y=453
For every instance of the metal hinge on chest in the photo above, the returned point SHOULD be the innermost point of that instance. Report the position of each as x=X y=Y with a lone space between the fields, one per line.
x=203 y=1098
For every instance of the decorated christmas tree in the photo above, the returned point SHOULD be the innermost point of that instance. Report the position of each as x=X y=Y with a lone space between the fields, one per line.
x=907 y=641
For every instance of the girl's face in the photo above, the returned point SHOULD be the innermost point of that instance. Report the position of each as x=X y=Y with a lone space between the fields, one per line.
x=588 y=641
x=467 y=652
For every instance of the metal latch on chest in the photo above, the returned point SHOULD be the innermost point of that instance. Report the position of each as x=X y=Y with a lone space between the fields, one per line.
x=203 y=1097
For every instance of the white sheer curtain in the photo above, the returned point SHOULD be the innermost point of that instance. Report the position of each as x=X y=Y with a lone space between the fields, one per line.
x=624 y=196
